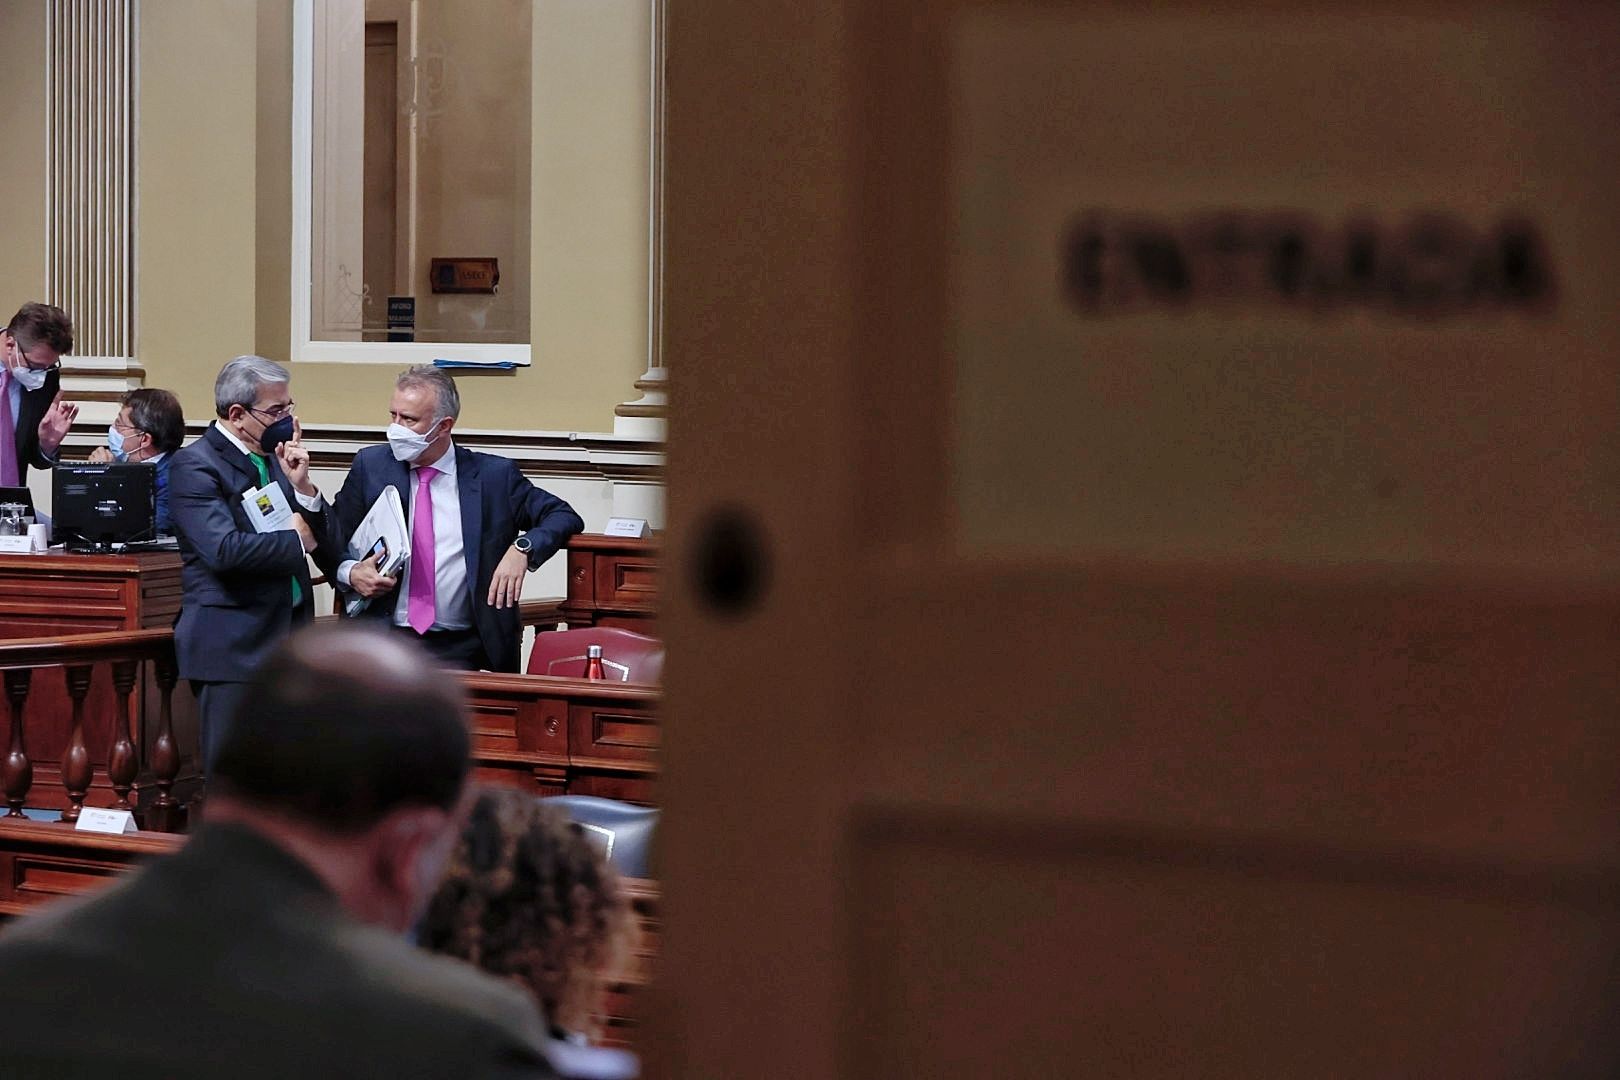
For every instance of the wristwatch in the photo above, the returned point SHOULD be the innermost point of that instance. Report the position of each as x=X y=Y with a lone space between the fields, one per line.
x=523 y=544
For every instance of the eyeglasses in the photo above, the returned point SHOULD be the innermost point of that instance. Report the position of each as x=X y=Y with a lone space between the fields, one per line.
x=22 y=352
x=275 y=412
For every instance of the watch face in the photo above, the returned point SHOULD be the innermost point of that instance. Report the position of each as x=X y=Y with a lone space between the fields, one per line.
x=522 y=544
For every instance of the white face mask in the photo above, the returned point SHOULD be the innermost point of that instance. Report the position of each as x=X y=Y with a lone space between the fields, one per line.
x=406 y=444
x=29 y=378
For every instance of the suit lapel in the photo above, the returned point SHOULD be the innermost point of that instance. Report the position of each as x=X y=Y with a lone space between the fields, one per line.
x=397 y=475
x=470 y=491
x=233 y=458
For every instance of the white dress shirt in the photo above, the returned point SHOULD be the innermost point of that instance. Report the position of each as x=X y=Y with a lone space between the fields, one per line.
x=452 y=607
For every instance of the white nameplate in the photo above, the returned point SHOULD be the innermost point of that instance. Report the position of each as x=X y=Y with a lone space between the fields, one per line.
x=631 y=527
x=16 y=545
x=115 y=822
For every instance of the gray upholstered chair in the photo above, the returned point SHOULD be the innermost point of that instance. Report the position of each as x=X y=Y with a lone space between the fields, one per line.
x=624 y=830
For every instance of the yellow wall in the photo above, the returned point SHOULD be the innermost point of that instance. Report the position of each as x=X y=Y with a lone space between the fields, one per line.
x=196 y=271
x=22 y=150
x=214 y=189
x=589 y=230
x=474 y=176
x=588 y=296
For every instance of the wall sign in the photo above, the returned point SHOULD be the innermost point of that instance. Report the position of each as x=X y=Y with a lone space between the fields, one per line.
x=1429 y=264
x=464 y=275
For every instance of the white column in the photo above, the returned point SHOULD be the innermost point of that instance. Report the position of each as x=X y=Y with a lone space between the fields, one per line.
x=644 y=417
x=90 y=82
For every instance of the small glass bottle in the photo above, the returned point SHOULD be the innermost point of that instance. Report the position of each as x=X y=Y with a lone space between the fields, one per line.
x=593 y=662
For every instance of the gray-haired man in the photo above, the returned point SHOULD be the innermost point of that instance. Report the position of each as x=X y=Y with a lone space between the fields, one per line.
x=243 y=590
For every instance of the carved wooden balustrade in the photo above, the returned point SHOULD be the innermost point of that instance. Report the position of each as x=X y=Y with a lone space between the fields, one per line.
x=79 y=657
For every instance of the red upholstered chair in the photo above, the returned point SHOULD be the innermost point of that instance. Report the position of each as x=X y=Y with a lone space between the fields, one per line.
x=626 y=655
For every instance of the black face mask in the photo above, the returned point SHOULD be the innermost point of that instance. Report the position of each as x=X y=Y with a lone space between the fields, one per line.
x=275 y=434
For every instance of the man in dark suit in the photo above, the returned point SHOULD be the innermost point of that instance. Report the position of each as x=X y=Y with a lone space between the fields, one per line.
x=242 y=590
x=272 y=944
x=33 y=417
x=477 y=525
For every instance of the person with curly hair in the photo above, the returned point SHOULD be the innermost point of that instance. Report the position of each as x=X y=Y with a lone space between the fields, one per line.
x=529 y=897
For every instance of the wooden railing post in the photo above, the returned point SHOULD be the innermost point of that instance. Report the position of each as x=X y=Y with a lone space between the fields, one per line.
x=164 y=813
x=76 y=759
x=124 y=652
x=17 y=775
x=121 y=763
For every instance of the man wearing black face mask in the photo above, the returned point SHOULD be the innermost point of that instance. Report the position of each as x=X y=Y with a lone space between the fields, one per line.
x=243 y=590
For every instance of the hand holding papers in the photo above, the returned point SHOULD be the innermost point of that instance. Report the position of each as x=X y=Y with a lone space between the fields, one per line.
x=382 y=532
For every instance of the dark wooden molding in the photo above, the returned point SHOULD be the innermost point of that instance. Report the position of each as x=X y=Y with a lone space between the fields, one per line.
x=537 y=454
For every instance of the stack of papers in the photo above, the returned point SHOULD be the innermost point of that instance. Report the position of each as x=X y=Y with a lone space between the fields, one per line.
x=383 y=530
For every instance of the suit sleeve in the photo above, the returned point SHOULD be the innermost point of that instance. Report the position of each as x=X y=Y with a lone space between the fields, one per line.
x=30 y=416
x=547 y=520
x=199 y=504
x=329 y=550
x=349 y=508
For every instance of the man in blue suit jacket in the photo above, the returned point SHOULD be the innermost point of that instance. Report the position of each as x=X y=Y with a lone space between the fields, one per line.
x=243 y=591
x=477 y=526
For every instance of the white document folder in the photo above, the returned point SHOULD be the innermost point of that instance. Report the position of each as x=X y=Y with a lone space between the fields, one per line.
x=385 y=521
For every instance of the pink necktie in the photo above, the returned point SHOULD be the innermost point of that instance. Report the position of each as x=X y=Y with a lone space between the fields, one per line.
x=423 y=564
x=8 y=433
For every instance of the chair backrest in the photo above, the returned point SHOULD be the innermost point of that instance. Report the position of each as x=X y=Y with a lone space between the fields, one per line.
x=626 y=656
x=591 y=1062
x=624 y=830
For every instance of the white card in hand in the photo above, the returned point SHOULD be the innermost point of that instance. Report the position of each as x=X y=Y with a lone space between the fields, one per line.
x=268 y=509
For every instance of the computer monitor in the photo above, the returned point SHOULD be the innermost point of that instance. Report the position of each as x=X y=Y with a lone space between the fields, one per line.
x=100 y=505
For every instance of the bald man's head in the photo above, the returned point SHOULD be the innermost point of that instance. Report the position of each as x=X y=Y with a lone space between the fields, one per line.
x=342 y=725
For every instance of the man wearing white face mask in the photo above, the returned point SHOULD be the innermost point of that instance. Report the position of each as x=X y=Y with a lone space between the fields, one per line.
x=150 y=427
x=477 y=525
x=33 y=417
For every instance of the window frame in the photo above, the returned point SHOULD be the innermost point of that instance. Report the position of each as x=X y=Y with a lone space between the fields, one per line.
x=303 y=346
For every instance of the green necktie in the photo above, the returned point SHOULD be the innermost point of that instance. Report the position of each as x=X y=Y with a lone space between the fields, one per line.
x=264 y=481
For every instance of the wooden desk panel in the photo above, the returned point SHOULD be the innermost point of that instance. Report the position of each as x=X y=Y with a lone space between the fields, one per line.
x=553 y=735
x=612 y=582
x=41 y=862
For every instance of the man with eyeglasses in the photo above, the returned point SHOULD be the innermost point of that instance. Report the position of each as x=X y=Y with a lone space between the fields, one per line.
x=243 y=591
x=150 y=427
x=33 y=417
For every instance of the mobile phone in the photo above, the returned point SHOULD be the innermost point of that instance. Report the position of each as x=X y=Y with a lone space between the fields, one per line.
x=380 y=549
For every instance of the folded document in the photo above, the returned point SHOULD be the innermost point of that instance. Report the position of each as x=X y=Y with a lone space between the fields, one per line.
x=382 y=530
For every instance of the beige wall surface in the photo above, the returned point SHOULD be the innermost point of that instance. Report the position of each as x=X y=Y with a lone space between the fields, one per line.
x=22 y=134
x=588 y=299
x=273 y=192
x=475 y=169
x=195 y=268
x=214 y=209
x=591 y=94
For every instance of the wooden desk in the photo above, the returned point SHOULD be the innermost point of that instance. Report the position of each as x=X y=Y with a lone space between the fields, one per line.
x=612 y=582
x=60 y=594
x=556 y=736
x=44 y=595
